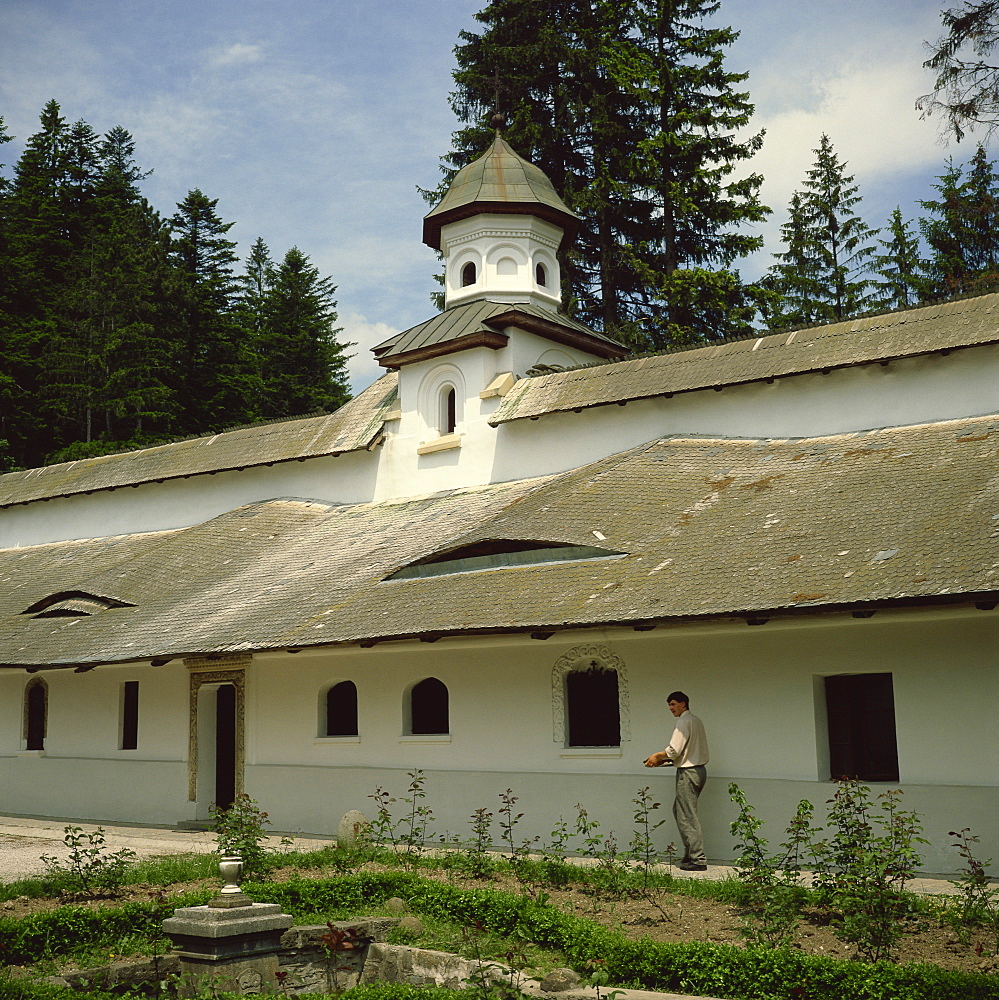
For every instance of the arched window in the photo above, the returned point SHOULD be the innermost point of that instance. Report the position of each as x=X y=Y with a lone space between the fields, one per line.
x=428 y=705
x=36 y=707
x=541 y=275
x=447 y=418
x=468 y=275
x=592 y=708
x=341 y=710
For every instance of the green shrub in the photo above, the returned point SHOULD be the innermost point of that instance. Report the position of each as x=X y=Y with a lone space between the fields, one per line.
x=91 y=869
x=239 y=831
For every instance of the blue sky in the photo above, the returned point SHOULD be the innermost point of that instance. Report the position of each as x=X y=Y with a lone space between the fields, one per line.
x=313 y=121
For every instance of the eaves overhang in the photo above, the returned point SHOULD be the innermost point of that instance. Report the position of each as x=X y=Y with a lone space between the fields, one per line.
x=981 y=601
x=480 y=338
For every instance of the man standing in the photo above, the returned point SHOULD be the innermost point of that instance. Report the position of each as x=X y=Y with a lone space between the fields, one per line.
x=688 y=751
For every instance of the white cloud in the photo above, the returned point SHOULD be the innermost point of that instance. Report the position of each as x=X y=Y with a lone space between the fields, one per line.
x=362 y=368
x=236 y=54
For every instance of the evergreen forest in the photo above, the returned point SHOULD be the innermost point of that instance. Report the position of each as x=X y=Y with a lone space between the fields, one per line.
x=646 y=133
x=121 y=327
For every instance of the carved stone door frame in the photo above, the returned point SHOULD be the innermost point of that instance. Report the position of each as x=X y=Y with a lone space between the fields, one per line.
x=218 y=670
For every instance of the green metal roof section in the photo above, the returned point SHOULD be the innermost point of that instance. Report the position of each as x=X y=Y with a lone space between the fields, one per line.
x=708 y=528
x=941 y=327
x=351 y=428
x=481 y=315
x=500 y=182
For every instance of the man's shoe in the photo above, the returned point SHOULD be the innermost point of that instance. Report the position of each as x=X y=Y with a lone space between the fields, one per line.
x=691 y=866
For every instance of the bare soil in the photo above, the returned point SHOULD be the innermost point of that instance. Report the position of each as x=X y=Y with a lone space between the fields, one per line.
x=668 y=917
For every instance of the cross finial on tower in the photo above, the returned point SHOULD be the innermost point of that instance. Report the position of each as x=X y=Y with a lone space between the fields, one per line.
x=497 y=121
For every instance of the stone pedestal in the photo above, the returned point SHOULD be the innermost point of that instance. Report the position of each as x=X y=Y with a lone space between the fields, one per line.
x=230 y=944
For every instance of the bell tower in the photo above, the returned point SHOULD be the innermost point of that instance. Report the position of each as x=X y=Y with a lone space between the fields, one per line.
x=500 y=225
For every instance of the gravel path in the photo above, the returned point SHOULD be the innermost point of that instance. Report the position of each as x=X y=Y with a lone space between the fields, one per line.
x=23 y=841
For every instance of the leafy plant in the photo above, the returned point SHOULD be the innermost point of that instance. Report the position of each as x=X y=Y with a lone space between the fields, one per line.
x=418 y=816
x=239 y=830
x=773 y=881
x=341 y=944
x=979 y=895
x=862 y=868
x=91 y=869
x=384 y=825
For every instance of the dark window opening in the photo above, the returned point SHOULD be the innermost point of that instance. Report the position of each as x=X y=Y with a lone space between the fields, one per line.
x=36 y=712
x=861 y=714
x=541 y=275
x=592 y=708
x=130 y=715
x=429 y=709
x=225 y=746
x=449 y=410
x=468 y=275
x=341 y=709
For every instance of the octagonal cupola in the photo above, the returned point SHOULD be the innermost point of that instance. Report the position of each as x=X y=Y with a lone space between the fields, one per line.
x=499 y=226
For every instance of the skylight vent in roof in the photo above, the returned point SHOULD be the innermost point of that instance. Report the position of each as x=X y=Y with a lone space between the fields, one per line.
x=72 y=604
x=497 y=553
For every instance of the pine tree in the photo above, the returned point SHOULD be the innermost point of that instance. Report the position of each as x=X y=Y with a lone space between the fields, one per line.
x=629 y=110
x=217 y=377
x=900 y=279
x=303 y=363
x=824 y=273
x=966 y=89
x=963 y=228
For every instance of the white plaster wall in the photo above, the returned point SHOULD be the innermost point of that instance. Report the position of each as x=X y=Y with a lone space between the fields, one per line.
x=754 y=688
x=911 y=391
x=82 y=773
x=964 y=383
x=485 y=240
x=179 y=503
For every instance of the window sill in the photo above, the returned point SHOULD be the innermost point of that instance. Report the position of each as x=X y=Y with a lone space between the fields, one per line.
x=322 y=741
x=426 y=738
x=446 y=442
x=608 y=752
x=30 y=753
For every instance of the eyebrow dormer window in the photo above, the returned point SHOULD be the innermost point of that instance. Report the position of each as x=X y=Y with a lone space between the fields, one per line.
x=498 y=553
x=468 y=275
x=72 y=604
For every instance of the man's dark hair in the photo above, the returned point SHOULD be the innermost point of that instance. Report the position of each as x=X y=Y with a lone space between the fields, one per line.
x=678 y=696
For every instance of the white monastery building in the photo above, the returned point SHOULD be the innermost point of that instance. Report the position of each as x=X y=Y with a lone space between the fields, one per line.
x=495 y=563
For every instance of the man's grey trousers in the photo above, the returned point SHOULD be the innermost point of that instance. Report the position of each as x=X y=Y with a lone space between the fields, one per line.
x=689 y=782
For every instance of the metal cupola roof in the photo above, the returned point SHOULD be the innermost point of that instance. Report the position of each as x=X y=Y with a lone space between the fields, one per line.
x=498 y=182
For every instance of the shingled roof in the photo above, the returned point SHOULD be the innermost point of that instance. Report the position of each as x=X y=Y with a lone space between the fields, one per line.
x=351 y=428
x=942 y=327
x=707 y=528
x=481 y=323
x=499 y=181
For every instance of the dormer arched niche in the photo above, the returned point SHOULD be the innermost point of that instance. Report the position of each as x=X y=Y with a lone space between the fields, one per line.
x=441 y=402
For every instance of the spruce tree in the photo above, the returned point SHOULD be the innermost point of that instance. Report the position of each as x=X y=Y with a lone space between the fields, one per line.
x=823 y=275
x=216 y=375
x=630 y=111
x=900 y=280
x=962 y=229
x=303 y=364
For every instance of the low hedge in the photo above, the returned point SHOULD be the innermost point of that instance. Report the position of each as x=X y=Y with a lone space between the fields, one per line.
x=705 y=969
x=70 y=928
